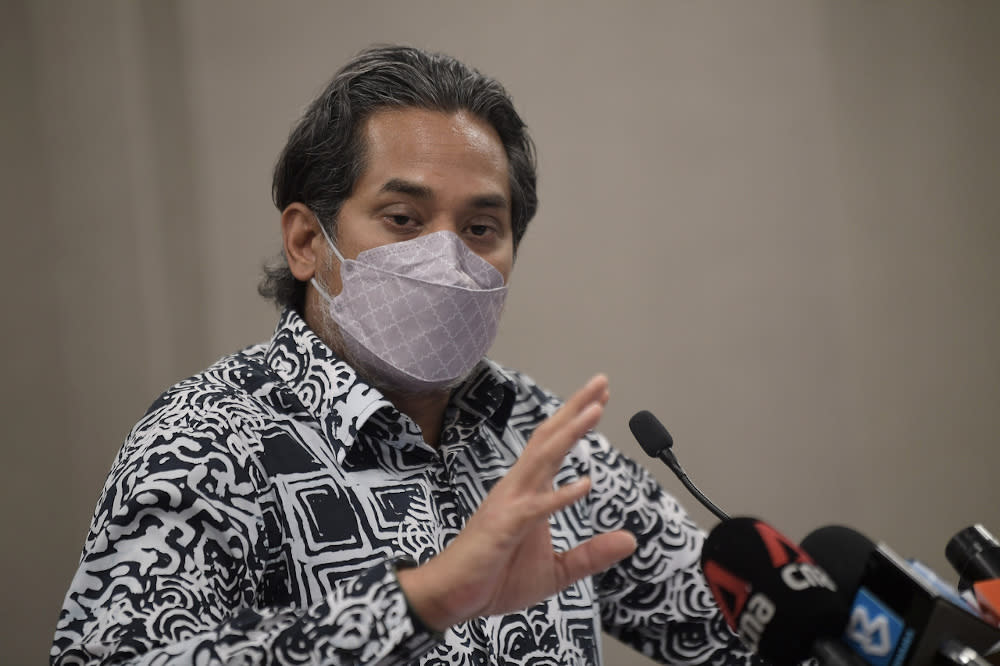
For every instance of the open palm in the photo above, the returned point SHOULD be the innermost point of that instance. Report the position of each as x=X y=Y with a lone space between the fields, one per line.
x=503 y=560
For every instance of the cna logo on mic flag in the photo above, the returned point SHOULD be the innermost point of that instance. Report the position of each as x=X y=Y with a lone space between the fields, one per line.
x=732 y=592
x=874 y=631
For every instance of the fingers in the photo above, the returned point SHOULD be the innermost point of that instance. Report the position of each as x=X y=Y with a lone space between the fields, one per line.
x=545 y=452
x=593 y=556
x=553 y=439
x=530 y=480
x=595 y=390
x=605 y=397
x=563 y=496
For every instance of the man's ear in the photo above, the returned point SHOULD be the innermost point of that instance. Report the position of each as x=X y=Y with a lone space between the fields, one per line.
x=302 y=239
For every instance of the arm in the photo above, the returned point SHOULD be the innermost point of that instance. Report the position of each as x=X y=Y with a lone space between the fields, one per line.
x=657 y=600
x=173 y=566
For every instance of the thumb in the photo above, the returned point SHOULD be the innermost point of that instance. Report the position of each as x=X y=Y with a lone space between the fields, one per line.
x=594 y=555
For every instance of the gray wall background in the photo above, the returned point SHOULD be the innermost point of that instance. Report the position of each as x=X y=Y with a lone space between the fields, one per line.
x=775 y=224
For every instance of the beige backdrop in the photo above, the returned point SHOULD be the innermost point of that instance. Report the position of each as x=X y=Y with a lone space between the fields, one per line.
x=775 y=224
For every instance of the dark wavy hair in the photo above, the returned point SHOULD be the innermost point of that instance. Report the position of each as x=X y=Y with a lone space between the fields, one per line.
x=325 y=153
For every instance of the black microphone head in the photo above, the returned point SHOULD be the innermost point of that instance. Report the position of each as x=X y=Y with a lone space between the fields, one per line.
x=650 y=433
x=843 y=553
x=975 y=555
x=770 y=591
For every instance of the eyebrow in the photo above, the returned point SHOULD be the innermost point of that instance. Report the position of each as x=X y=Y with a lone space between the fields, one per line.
x=400 y=186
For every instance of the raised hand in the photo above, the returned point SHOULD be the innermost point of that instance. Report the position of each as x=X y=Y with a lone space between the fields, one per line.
x=503 y=560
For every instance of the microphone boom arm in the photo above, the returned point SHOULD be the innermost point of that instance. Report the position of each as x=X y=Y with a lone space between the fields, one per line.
x=668 y=457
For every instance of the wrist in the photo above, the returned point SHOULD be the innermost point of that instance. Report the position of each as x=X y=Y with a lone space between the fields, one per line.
x=424 y=595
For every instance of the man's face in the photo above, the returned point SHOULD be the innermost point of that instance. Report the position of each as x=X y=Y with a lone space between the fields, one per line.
x=428 y=171
x=425 y=171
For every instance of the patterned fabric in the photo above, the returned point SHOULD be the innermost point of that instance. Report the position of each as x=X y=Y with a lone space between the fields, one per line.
x=257 y=512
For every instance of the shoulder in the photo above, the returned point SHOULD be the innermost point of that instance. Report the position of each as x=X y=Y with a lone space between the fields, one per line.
x=533 y=403
x=193 y=457
x=213 y=416
x=237 y=385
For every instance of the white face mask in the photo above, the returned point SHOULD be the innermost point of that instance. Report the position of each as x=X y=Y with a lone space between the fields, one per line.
x=417 y=315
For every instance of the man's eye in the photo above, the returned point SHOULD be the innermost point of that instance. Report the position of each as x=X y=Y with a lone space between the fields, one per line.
x=400 y=220
x=480 y=229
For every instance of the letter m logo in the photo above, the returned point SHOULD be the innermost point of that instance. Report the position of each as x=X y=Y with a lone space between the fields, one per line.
x=873 y=630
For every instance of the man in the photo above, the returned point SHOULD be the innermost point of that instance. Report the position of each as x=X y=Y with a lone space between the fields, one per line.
x=367 y=488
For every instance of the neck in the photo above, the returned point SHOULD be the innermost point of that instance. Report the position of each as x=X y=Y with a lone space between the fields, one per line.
x=425 y=409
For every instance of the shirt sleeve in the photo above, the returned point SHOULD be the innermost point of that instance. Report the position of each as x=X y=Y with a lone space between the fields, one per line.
x=172 y=571
x=656 y=600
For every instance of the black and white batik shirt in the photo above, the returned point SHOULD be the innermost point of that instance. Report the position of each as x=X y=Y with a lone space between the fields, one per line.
x=257 y=513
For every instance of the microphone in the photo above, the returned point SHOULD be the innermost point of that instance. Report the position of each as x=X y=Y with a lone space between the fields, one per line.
x=657 y=443
x=773 y=596
x=975 y=555
x=900 y=614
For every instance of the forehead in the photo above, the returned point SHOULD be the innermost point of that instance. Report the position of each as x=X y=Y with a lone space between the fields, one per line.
x=450 y=150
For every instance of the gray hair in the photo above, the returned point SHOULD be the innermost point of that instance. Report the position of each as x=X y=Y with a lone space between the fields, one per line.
x=325 y=153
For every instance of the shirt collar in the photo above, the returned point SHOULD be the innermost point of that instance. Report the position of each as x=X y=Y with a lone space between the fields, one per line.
x=343 y=403
x=487 y=394
x=327 y=386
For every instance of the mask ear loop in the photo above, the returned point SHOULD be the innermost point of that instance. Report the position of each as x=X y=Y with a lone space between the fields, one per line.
x=329 y=241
